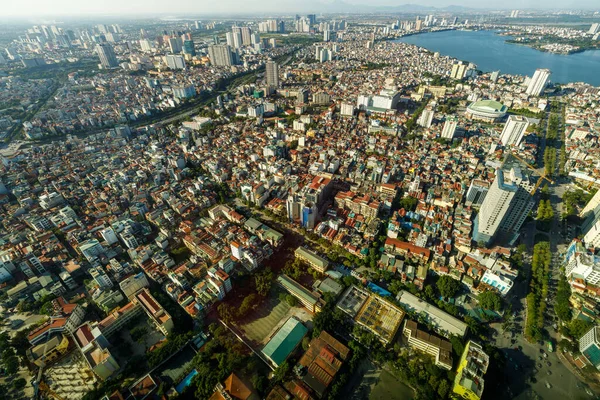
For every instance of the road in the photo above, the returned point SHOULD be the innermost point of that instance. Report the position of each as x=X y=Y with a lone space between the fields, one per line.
x=528 y=372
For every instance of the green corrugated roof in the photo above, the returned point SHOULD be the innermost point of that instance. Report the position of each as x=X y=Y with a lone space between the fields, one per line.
x=285 y=341
x=295 y=288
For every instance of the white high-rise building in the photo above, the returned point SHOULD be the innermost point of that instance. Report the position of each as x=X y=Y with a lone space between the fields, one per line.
x=146 y=45
x=449 y=128
x=506 y=205
x=426 y=118
x=514 y=129
x=272 y=73
x=175 y=45
x=589 y=346
x=595 y=28
x=107 y=56
x=220 y=55
x=459 y=70
x=538 y=82
x=175 y=61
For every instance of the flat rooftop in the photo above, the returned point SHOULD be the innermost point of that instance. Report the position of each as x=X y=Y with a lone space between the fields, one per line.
x=443 y=321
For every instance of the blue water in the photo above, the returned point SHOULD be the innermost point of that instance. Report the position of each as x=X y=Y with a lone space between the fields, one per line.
x=490 y=52
x=186 y=381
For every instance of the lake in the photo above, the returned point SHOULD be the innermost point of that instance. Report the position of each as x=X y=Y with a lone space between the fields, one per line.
x=490 y=52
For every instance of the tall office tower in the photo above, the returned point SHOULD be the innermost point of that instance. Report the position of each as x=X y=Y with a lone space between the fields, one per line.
x=595 y=28
x=175 y=61
x=591 y=226
x=426 y=118
x=514 y=129
x=220 y=55
x=255 y=38
x=146 y=45
x=591 y=205
x=312 y=19
x=175 y=45
x=538 y=82
x=450 y=128
x=236 y=38
x=506 y=205
x=329 y=36
x=318 y=52
x=246 y=35
x=107 y=56
x=454 y=20
x=228 y=38
x=197 y=25
x=418 y=25
x=514 y=14
x=459 y=70
x=272 y=72
x=589 y=346
x=188 y=47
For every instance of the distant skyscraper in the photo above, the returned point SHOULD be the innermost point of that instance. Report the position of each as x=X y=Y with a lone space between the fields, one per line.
x=514 y=129
x=538 y=82
x=595 y=28
x=506 y=205
x=107 y=55
x=221 y=55
x=312 y=19
x=246 y=35
x=514 y=14
x=272 y=72
x=459 y=70
x=175 y=45
x=175 y=61
x=328 y=36
x=449 y=128
x=494 y=76
x=188 y=47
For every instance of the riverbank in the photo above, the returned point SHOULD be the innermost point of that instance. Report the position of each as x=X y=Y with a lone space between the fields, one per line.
x=490 y=52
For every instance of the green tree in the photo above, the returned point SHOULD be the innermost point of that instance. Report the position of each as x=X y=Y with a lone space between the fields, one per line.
x=447 y=286
x=263 y=282
x=291 y=300
x=11 y=364
x=225 y=312
x=579 y=327
x=19 y=384
x=490 y=300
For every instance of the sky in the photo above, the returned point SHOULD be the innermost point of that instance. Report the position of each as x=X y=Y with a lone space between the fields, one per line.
x=31 y=8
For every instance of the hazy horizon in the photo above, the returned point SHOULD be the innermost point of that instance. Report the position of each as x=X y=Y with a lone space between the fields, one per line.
x=37 y=8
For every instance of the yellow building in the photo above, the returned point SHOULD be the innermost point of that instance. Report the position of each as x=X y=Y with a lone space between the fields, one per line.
x=468 y=383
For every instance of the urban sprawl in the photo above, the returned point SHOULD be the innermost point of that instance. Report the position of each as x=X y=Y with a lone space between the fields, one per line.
x=269 y=208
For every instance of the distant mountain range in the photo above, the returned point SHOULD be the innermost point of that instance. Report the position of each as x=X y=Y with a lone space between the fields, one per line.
x=340 y=6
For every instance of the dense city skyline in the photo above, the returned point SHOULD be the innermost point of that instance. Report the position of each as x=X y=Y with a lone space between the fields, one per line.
x=142 y=7
x=392 y=203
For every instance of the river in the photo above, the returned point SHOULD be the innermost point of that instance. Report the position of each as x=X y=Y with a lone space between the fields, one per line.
x=490 y=52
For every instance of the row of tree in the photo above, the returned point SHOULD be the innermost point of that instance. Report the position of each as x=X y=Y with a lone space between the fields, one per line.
x=538 y=286
x=545 y=215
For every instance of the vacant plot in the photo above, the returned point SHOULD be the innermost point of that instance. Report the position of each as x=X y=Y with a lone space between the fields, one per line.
x=264 y=320
x=390 y=388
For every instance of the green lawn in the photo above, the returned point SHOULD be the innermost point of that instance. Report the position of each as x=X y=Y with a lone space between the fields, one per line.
x=262 y=321
x=390 y=388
